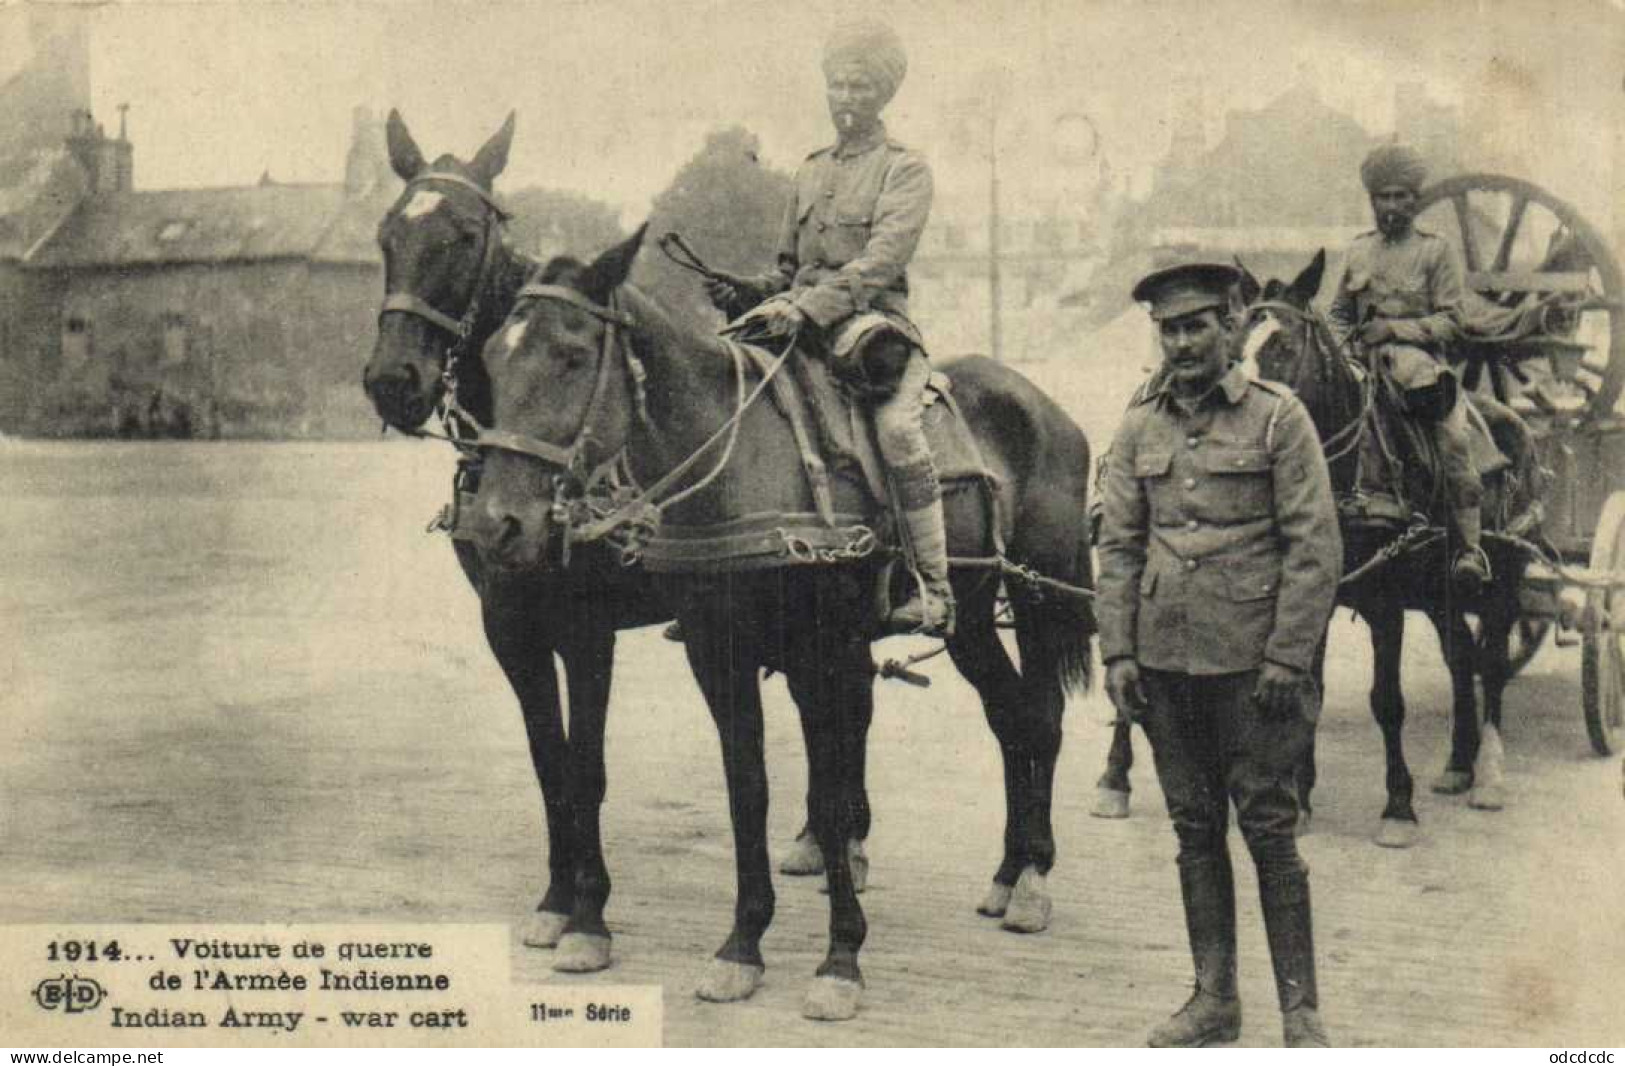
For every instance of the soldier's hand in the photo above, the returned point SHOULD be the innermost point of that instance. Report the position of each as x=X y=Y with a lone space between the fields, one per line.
x=1279 y=690
x=723 y=294
x=1377 y=331
x=1124 y=689
x=782 y=318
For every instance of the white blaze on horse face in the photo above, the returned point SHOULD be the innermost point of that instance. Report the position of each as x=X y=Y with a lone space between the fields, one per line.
x=423 y=203
x=1255 y=340
x=513 y=336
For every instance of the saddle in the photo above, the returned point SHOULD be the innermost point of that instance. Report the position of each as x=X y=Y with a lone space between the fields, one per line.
x=829 y=424
x=1400 y=473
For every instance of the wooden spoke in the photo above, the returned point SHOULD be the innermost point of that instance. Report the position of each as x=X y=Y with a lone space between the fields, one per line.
x=1464 y=219
x=1503 y=254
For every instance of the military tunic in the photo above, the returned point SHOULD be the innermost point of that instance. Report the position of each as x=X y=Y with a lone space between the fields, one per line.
x=851 y=228
x=1219 y=546
x=1413 y=283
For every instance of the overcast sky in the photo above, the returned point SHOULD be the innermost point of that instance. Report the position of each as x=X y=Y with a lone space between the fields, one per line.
x=613 y=97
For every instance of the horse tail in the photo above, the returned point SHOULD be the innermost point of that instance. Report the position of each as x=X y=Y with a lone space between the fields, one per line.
x=1054 y=630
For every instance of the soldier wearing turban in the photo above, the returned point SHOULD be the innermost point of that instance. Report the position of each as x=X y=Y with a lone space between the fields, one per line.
x=841 y=286
x=1400 y=300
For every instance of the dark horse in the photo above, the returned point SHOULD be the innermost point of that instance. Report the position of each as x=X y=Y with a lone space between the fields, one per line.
x=1393 y=566
x=450 y=279
x=589 y=365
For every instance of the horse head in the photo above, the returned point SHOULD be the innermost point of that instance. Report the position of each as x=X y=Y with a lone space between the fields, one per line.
x=564 y=399
x=443 y=255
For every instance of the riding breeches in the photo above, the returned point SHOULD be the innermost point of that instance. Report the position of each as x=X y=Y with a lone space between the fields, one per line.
x=1214 y=746
x=1417 y=372
x=900 y=431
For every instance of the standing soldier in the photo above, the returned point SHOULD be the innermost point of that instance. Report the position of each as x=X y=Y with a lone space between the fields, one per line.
x=1219 y=561
x=841 y=284
x=1401 y=297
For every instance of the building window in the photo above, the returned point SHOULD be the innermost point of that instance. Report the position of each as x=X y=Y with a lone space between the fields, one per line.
x=174 y=338
x=75 y=341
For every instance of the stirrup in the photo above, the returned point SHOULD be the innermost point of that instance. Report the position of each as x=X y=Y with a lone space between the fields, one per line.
x=1472 y=564
x=913 y=617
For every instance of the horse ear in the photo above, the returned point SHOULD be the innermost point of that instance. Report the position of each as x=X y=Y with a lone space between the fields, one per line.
x=1249 y=285
x=1307 y=284
x=493 y=154
x=404 y=156
x=610 y=270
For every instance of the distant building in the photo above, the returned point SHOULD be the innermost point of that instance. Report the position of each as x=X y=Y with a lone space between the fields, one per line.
x=1281 y=183
x=229 y=311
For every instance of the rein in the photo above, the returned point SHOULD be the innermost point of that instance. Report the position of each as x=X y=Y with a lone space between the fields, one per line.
x=1346 y=439
x=645 y=506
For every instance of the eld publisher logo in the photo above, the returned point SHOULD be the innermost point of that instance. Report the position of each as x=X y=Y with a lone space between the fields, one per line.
x=71 y=995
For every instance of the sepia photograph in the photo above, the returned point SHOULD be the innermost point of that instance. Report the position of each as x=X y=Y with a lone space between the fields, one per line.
x=857 y=524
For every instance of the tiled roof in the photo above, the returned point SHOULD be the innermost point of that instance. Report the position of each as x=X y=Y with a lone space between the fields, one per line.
x=174 y=226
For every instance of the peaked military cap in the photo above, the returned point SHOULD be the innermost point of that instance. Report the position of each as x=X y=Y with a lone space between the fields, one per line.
x=1187 y=288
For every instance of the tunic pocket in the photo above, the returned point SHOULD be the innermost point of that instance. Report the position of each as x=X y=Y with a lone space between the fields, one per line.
x=1255 y=579
x=1240 y=487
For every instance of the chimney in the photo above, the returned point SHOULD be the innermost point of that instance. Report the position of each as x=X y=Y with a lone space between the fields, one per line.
x=108 y=164
x=366 y=166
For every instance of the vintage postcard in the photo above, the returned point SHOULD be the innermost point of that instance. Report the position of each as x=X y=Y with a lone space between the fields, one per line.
x=421 y=628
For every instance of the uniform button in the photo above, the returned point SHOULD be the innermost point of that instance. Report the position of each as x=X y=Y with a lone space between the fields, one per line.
x=1193 y=524
x=1241 y=462
x=1190 y=483
x=822 y=227
x=829 y=194
x=1190 y=442
x=1190 y=564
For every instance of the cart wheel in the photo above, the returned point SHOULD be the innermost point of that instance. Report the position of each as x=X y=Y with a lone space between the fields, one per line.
x=1602 y=655
x=1518 y=240
x=1527 y=638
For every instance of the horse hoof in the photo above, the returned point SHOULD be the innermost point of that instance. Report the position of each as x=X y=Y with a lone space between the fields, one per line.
x=1030 y=905
x=1453 y=782
x=581 y=953
x=729 y=982
x=804 y=859
x=857 y=860
x=543 y=929
x=1110 y=803
x=1489 y=789
x=832 y=999
x=996 y=902
x=1396 y=833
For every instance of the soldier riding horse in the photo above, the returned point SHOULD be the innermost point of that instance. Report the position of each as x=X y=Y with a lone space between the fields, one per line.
x=738 y=524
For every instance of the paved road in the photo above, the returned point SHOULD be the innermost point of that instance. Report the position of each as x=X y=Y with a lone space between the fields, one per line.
x=246 y=687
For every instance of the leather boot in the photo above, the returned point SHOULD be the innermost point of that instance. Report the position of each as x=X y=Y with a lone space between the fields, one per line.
x=930 y=609
x=1471 y=569
x=1290 y=928
x=1213 y=1013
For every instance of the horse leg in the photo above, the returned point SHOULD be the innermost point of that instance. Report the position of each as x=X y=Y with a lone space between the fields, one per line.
x=981 y=659
x=834 y=692
x=589 y=662
x=513 y=624
x=1456 y=642
x=1489 y=770
x=1398 y=826
x=1113 y=788
x=727 y=678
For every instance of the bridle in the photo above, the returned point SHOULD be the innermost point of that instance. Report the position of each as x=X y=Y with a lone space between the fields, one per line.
x=461 y=329
x=1318 y=334
x=635 y=507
